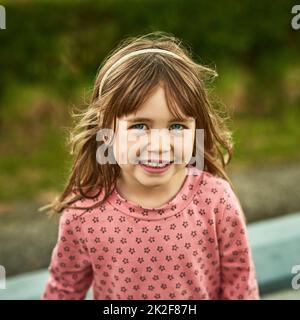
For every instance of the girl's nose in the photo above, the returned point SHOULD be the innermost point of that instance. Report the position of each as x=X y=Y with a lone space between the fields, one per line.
x=159 y=141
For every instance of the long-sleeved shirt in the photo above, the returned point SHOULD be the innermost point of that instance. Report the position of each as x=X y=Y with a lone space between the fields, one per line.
x=193 y=247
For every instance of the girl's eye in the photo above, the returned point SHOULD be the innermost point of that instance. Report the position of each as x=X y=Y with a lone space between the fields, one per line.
x=177 y=126
x=138 y=126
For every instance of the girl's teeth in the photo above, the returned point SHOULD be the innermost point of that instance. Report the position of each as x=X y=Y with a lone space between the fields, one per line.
x=154 y=164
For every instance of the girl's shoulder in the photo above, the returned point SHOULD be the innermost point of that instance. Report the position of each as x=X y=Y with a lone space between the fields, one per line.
x=213 y=189
x=207 y=180
x=81 y=206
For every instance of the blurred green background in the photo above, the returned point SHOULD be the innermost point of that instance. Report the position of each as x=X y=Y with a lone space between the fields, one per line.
x=49 y=55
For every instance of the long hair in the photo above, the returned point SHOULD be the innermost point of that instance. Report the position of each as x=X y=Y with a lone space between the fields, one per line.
x=126 y=88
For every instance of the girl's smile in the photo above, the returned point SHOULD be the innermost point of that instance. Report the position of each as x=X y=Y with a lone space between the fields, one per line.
x=155 y=167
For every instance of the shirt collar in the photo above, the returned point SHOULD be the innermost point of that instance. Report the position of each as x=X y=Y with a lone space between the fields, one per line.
x=172 y=207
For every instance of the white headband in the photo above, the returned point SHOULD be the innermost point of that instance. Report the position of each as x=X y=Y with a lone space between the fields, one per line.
x=131 y=54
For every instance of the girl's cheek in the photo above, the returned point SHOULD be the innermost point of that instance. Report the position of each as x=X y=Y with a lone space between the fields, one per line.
x=119 y=154
x=183 y=150
x=131 y=149
x=125 y=154
x=183 y=155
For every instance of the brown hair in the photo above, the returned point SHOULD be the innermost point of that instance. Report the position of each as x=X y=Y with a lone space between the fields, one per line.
x=123 y=92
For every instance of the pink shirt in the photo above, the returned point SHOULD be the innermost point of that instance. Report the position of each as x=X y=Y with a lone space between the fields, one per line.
x=193 y=247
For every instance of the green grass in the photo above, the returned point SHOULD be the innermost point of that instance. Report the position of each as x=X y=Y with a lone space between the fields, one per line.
x=265 y=113
x=266 y=140
x=34 y=157
x=23 y=176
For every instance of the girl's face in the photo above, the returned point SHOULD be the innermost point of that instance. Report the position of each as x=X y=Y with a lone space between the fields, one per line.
x=152 y=135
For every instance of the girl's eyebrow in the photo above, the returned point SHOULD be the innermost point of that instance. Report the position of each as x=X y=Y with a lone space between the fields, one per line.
x=150 y=120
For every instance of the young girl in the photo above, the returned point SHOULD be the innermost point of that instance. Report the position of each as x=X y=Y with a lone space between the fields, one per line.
x=155 y=228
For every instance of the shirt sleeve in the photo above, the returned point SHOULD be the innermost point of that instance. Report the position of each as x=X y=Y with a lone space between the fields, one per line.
x=70 y=271
x=238 y=274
